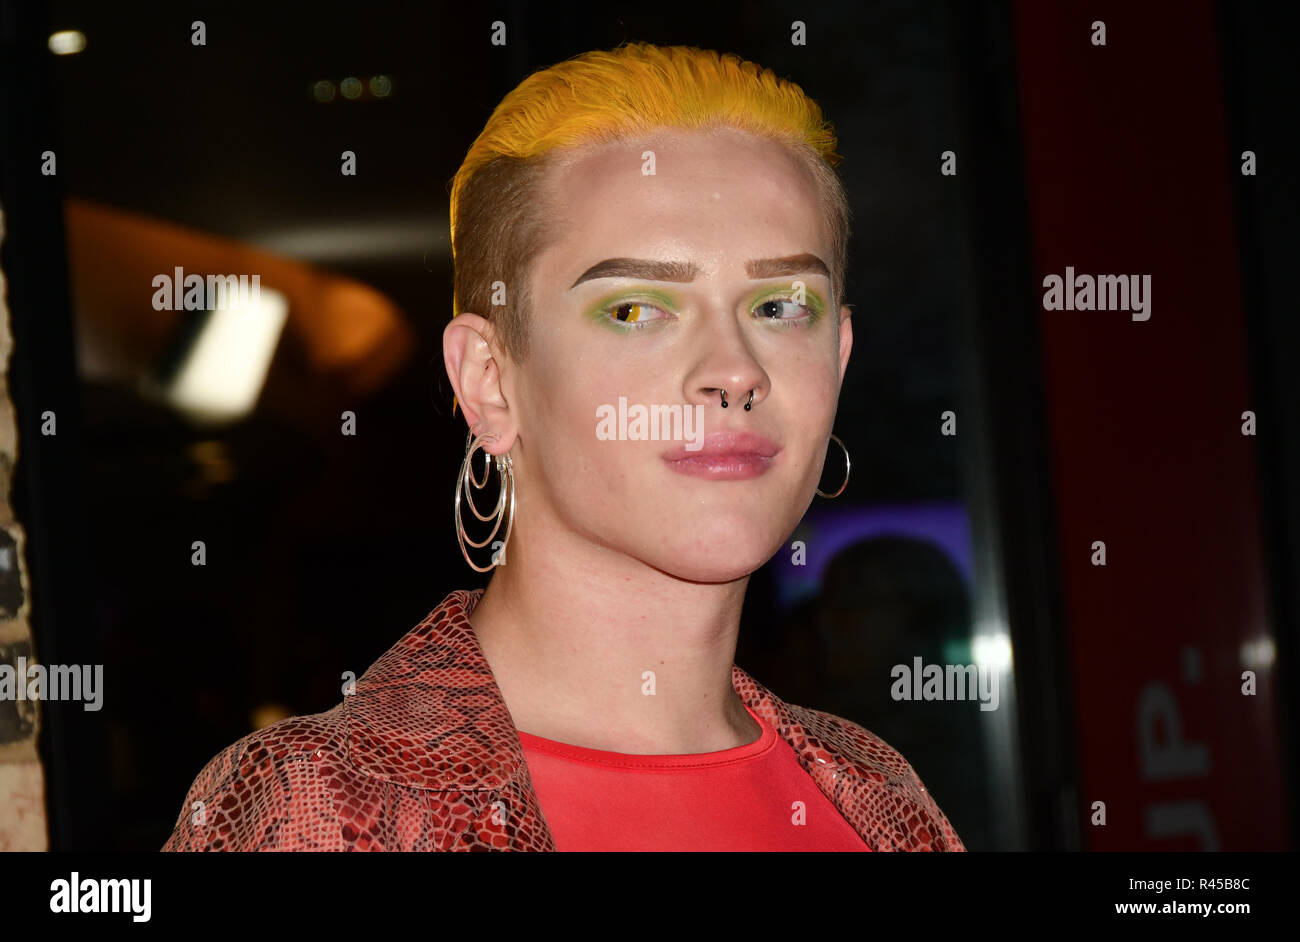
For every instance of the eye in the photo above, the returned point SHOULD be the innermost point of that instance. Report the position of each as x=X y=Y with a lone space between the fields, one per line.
x=771 y=310
x=633 y=313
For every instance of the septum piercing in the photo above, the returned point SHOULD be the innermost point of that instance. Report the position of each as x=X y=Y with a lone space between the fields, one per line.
x=747 y=405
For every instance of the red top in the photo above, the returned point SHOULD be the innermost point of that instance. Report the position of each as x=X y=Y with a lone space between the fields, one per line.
x=755 y=797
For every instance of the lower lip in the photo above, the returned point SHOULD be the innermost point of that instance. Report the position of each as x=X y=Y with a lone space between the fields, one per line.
x=722 y=467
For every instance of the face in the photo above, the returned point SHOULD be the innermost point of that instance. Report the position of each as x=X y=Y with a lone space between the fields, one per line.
x=657 y=336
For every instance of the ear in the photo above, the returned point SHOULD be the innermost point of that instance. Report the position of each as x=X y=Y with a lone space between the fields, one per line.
x=846 y=339
x=471 y=355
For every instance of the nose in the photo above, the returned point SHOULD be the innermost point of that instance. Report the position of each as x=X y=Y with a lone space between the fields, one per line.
x=727 y=378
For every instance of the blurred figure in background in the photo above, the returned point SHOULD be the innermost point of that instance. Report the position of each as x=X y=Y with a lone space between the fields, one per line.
x=886 y=601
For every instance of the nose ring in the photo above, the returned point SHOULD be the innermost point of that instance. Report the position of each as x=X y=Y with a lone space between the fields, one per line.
x=748 y=405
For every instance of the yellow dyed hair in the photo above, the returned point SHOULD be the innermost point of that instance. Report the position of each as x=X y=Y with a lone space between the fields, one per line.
x=500 y=216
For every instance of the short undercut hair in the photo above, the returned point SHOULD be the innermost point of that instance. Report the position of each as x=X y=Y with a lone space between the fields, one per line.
x=500 y=218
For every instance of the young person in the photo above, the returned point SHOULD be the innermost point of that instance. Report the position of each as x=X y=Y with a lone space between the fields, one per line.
x=648 y=346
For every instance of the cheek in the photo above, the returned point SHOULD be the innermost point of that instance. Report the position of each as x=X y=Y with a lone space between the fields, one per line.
x=577 y=463
x=808 y=410
x=811 y=386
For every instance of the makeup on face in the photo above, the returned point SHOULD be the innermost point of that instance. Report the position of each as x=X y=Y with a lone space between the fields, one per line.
x=639 y=306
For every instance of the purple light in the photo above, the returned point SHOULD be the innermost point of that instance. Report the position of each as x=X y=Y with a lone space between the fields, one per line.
x=826 y=531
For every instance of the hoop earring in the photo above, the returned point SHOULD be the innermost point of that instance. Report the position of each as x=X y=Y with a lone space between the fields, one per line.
x=846 y=471
x=505 y=481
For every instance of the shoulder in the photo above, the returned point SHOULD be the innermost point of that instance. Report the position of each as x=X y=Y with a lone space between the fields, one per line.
x=338 y=780
x=260 y=792
x=857 y=743
x=894 y=802
x=870 y=782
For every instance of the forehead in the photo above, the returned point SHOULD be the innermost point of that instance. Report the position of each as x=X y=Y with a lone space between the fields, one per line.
x=714 y=197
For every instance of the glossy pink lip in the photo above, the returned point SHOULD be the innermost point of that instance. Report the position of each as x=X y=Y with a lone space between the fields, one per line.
x=725 y=456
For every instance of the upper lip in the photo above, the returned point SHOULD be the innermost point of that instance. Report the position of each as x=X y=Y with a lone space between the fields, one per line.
x=727 y=443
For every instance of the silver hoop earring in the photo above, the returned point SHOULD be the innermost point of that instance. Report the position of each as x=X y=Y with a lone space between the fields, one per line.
x=846 y=470
x=505 y=482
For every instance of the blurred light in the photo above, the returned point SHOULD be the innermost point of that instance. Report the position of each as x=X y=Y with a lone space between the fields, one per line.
x=1258 y=654
x=992 y=650
x=67 y=42
x=213 y=460
x=394 y=241
x=323 y=90
x=381 y=86
x=266 y=714
x=957 y=651
x=350 y=87
x=226 y=368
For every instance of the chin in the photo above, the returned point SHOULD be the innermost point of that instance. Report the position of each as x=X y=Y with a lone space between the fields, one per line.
x=725 y=550
x=710 y=570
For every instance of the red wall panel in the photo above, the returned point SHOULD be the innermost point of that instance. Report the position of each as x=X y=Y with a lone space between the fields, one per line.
x=1128 y=172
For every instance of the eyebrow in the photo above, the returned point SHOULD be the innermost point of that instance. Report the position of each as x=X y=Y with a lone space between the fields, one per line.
x=650 y=270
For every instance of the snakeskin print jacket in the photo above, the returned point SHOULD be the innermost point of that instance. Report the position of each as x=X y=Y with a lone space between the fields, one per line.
x=423 y=756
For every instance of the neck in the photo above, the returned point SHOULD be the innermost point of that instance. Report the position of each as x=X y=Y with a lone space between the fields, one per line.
x=594 y=648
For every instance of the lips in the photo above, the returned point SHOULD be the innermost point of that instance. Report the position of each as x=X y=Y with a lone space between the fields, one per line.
x=725 y=456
